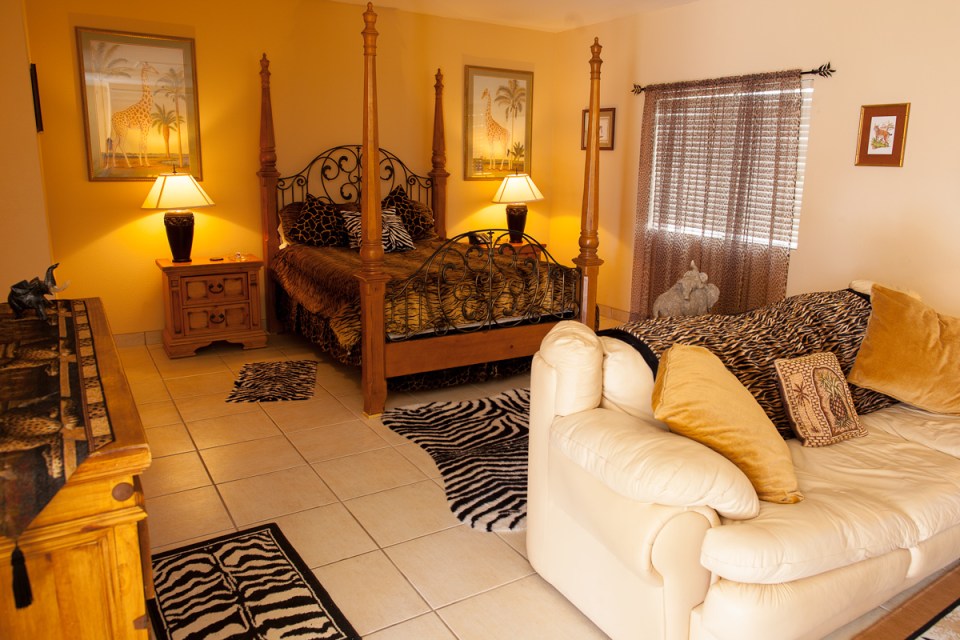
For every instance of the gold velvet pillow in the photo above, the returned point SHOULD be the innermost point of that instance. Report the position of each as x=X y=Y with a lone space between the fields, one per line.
x=699 y=398
x=817 y=399
x=910 y=352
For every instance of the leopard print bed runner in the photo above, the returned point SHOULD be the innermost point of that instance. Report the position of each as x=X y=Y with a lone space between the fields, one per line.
x=748 y=343
x=52 y=408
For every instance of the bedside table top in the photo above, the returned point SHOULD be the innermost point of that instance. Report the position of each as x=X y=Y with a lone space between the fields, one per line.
x=228 y=263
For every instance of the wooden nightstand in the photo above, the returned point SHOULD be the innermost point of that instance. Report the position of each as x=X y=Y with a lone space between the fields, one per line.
x=205 y=301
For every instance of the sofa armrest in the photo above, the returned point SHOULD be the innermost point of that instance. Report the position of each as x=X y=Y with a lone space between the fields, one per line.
x=638 y=459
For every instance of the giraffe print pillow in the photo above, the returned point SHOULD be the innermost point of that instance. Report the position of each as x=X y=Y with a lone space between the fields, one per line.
x=417 y=217
x=318 y=225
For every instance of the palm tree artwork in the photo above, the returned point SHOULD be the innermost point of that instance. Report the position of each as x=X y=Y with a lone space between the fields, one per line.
x=166 y=121
x=172 y=84
x=102 y=65
x=512 y=97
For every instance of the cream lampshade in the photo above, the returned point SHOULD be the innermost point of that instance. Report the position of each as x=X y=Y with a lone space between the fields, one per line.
x=177 y=192
x=517 y=189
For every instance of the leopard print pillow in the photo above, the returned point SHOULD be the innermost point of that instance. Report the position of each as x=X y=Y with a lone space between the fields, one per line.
x=416 y=216
x=319 y=225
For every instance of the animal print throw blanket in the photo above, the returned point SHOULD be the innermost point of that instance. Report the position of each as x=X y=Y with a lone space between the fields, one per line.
x=748 y=343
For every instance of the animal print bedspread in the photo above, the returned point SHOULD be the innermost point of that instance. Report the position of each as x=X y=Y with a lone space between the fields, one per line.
x=748 y=343
x=452 y=292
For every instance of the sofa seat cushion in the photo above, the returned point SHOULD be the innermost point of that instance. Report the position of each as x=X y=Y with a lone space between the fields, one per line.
x=935 y=430
x=640 y=460
x=864 y=497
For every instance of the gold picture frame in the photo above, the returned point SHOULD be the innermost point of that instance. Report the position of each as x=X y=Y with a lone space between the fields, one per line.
x=882 y=136
x=607 y=118
x=140 y=107
x=498 y=122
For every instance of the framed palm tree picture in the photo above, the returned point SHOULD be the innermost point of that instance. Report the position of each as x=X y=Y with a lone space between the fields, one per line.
x=139 y=104
x=498 y=122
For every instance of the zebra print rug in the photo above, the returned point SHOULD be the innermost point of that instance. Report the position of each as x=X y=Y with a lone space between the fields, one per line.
x=249 y=584
x=272 y=381
x=480 y=447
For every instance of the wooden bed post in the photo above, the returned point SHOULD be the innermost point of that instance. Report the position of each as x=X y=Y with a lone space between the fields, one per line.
x=268 y=194
x=588 y=261
x=439 y=174
x=372 y=279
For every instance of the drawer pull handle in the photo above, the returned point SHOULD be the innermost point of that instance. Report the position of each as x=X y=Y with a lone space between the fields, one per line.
x=215 y=287
x=216 y=318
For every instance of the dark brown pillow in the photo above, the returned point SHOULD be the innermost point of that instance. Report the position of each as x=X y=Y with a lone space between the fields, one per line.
x=319 y=225
x=416 y=216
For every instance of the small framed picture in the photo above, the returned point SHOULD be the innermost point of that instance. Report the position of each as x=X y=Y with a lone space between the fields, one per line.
x=607 y=121
x=883 y=135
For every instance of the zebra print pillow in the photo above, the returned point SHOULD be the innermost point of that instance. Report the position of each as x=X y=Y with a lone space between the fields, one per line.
x=393 y=234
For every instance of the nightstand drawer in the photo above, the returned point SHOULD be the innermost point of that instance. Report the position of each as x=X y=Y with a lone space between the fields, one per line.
x=217 y=319
x=206 y=289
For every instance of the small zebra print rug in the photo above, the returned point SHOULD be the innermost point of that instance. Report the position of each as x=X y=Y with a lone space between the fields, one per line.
x=250 y=584
x=272 y=381
x=480 y=447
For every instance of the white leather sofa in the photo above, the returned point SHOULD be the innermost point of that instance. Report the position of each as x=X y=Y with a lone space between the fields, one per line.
x=653 y=535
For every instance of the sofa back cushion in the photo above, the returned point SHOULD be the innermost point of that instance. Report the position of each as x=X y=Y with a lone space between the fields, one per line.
x=574 y=351
x=910 y=352
x=699 y=398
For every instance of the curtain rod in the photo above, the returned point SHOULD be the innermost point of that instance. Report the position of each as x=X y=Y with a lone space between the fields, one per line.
x=824 y=71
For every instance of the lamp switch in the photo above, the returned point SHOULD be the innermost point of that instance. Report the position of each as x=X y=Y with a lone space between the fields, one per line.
x=217 y=259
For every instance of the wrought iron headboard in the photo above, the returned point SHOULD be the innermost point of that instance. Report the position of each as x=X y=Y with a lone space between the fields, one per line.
x=334 y=176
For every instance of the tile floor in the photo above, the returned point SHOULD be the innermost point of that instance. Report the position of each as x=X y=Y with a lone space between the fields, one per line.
x=362 y=505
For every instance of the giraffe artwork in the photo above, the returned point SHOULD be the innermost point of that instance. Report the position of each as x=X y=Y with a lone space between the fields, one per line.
x=496 y=134
x=137 y=116
x=498 y=122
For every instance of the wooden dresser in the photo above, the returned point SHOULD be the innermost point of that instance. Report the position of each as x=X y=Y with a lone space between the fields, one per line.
x=208 y=300
x=87 y=552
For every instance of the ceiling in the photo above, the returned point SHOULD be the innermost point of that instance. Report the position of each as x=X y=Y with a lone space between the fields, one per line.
x=541 y=15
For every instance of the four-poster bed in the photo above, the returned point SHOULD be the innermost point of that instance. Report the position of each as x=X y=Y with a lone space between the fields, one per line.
x=474 y=298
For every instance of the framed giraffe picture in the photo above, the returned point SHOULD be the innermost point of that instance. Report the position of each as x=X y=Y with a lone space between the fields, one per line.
x=140 y=110
x=498 y=122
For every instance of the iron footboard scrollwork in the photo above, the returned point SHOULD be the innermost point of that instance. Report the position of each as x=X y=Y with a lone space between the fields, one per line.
x=479 y=280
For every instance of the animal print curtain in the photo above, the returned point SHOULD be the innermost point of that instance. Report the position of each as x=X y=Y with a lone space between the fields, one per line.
x=718 y=186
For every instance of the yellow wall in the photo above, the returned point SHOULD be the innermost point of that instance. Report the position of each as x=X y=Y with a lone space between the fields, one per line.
x=893 y=225
x=107 y=244
x=25 y=246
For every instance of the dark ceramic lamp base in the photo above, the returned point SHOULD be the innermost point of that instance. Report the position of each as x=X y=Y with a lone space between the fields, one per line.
x=179 y=225
x=516 y=221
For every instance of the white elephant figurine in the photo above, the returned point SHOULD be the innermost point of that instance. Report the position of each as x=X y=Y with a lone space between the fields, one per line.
x=690 y=296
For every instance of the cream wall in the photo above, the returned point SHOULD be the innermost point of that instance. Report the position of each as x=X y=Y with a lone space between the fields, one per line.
x=23 y=223
x=107 y=244
x=895 y=225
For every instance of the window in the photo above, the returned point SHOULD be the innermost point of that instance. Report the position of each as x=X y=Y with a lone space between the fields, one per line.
x=721 y=180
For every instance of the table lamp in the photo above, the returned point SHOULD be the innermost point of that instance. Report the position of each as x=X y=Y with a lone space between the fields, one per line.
x=177 y=192
x=517 y=189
